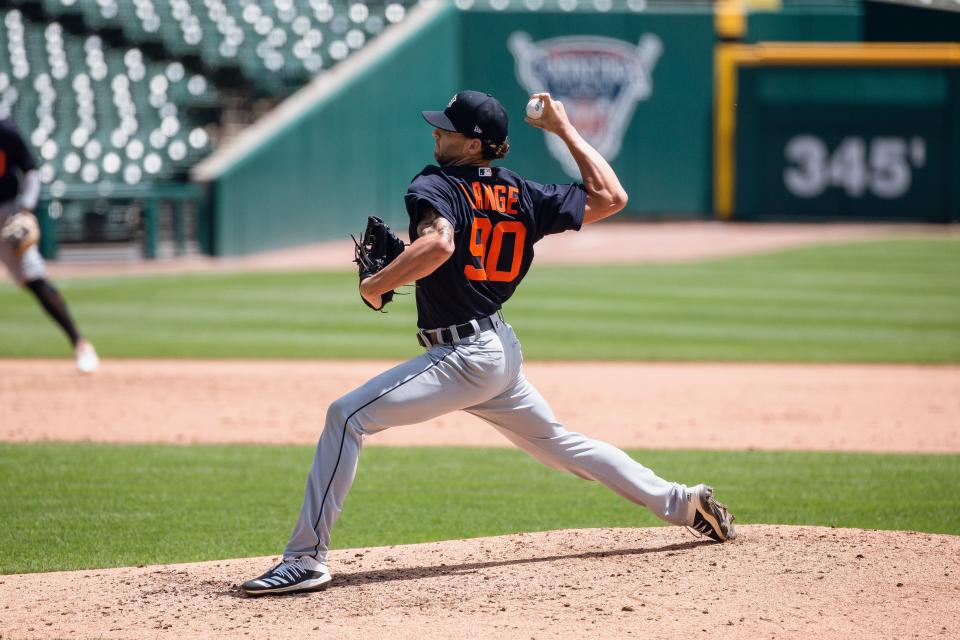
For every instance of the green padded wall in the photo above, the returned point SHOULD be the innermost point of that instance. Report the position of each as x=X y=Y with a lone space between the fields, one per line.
x=664 y=156
x=347 y=157
x=826 y=21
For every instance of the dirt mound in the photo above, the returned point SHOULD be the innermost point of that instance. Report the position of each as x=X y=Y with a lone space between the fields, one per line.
x=773 y=581
x=648 y=405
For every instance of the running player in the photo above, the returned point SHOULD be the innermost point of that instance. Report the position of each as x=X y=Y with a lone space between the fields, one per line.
x=473 y=227
x=20 y=190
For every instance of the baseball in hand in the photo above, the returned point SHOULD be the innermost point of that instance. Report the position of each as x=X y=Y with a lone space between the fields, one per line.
x=535 y=109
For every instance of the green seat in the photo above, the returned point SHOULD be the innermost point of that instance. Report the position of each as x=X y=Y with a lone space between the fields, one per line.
x=155 y=63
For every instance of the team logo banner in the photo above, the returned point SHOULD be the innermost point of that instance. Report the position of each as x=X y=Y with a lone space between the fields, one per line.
x=599 y=80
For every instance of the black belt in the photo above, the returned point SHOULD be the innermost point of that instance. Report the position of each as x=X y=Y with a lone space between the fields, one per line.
x=453 y=334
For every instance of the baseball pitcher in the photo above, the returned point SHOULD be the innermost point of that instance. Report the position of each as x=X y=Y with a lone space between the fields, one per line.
x=473 y=228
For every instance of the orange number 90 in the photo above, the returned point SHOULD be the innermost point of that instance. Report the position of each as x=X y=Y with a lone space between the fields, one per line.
x=482 y=232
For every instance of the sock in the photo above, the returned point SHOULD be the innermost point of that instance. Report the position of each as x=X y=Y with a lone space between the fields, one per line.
x=55 y=306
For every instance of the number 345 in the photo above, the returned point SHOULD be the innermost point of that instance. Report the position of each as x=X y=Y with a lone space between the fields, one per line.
x=884 y=171
x=486 y=245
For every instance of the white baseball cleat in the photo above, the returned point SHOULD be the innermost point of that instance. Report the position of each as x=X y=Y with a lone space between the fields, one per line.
x=86 y=355
x=290 y=576
x=711 y=518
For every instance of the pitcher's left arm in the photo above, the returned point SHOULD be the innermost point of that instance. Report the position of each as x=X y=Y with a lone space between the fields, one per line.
x=434 y=246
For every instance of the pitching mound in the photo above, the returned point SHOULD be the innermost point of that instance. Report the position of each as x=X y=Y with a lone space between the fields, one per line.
x=773 y=581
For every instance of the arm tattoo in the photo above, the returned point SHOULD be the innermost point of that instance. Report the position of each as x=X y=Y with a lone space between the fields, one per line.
x=445 y=229
x=427 y=218
x=432 y=222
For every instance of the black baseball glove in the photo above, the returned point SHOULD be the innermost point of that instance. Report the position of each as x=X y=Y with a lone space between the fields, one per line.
x=377 y=247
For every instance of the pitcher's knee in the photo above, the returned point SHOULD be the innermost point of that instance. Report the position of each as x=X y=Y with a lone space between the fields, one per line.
x=337 y=412
x=342 y=413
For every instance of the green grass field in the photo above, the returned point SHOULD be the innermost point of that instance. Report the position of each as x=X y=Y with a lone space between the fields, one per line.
x=71 y=506
x=892 y=301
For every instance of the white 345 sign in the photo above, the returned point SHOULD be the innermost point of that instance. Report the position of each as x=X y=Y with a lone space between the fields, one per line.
x=882 y=166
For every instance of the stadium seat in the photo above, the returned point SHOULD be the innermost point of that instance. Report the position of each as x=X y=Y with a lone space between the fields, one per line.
x=123 y=90
x=94 y=112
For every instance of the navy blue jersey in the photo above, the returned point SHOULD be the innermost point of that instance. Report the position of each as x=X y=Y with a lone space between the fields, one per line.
x=15 y=160
x=497 y=216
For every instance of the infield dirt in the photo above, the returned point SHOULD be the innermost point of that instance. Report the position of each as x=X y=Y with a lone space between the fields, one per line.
x=643 y=405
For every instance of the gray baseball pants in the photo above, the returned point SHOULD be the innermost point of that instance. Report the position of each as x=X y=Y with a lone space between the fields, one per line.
x=483 y=375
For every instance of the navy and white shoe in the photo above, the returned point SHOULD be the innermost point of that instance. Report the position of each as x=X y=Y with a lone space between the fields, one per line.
x=711 y=518
x=290 y=576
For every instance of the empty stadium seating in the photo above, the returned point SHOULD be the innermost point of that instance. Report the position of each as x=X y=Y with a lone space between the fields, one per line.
x=274 y=45
x=129 y=91
x=93 y=112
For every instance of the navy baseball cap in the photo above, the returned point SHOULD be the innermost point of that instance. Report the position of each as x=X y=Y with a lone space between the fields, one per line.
x=474 y=114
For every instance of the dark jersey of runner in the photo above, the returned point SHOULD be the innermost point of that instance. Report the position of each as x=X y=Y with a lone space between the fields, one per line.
x=497 y=216
x=15 y=159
